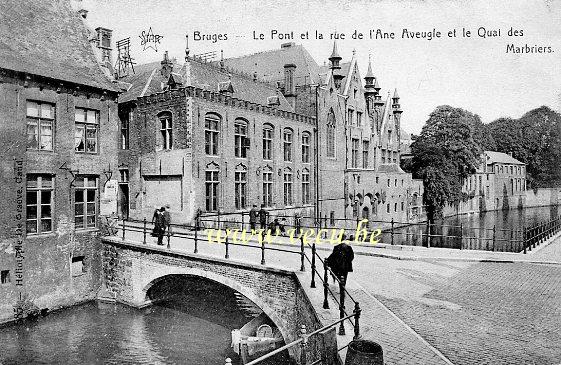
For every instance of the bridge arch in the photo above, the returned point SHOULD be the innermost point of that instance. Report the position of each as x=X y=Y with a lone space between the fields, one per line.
x=152 y=280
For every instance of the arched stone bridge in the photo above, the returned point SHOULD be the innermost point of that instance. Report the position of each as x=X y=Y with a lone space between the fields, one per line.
x=130 y=269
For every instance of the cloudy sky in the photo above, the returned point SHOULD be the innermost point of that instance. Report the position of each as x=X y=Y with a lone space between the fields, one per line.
x=475 y=73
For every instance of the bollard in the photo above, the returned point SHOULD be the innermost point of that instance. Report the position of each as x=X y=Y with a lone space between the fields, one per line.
x=392 y=230
x=325 y=286
x=123 y=228
x=303 y=345
x=226 y=245
x=341 y=305
x=357 y=312
x=144 y=232
x=169 y=235
x=461 y=235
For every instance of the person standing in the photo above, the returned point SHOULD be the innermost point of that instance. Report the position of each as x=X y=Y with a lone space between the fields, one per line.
x=341 y=261
x=263 y=217
x=253 y=213
x=161 y=224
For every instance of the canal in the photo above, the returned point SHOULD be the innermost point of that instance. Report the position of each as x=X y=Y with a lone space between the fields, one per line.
x=491 y=231
x=191 y=327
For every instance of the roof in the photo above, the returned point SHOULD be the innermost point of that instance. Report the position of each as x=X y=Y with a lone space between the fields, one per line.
x=345 y=68
x=48 y=38
x=269 y=65
x=499 y=157
x=390 y=167
x=147 y=80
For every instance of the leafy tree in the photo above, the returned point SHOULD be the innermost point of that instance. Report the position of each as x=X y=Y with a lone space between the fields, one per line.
x=481 y=132
x=534 y=139
x=444 y=155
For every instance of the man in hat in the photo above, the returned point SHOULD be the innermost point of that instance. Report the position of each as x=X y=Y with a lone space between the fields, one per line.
x=341 y=261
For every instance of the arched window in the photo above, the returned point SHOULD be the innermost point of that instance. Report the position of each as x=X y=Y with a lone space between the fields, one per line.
x=240 y=138
x=287 y=138
x=166 y=130
x=212 y=125
x=267 y=142
x=331 y=134
x=305 y=147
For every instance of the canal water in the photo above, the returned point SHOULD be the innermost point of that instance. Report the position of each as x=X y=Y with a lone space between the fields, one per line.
x=186 y=329
x=491 y=231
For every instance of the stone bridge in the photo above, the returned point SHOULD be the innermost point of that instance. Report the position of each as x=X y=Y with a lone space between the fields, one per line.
x=130 y=269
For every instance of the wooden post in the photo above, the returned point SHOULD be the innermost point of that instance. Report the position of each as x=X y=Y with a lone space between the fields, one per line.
x=123 y=228
x=313 y=284
x=357 y=312
x=226 y=246
x=494 y=228
x=341 y=304
x=428 y=233
x=196 y=233
x=325 y=286
x=144 y=231
x=302 y=253
x=262 y=249
x=461 y=234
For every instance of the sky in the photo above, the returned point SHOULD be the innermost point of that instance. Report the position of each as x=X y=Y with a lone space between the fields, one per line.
x=475 y=73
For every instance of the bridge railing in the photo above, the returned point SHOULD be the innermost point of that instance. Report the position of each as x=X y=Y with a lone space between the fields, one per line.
x=539 y=232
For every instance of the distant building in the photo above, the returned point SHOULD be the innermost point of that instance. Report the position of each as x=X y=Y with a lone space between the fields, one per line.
x=271 y=128
x=57 y=145
x=499 y=183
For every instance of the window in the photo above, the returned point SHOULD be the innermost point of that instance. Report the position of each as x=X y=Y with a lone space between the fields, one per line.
x=124 y=175
x=78 y=267
x=211 y=134
x=267 y=143
x=240 y=137
x=5 y=277
x=125 y=117
x=359 y=118
x=39 y=204
x=287 y=139
x=85 y=133
x=383 y=155
x=389 y=136
x=85 y=202
x=240 y=189
x=388 y=207
x=268 y=188
x=332 y=218
x=305 y=187
x=402 y=206
x=166 y=131
x=389 y=182
x=511 y=170
x=288 y=188
x=365 y=148
x=40 y=117
x=305 y=147
x=350 y=117
x=331 y=134
x=395 y=207
x=354 y=153
x=395 y=182
x=377 y=179
x=211 y=190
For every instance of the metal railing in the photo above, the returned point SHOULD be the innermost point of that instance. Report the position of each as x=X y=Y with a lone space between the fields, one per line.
x=538 y=233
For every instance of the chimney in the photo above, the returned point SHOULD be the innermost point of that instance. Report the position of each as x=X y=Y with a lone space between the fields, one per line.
x=289 y=85
x=167 y=66
x=104 y=45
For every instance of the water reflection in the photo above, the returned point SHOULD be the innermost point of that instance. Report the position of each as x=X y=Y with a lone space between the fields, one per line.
x=191 y=327
x=492 y=231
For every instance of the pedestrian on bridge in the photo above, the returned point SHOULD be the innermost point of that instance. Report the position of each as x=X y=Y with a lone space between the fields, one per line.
x=340 y=261
x=263 y=217
x=160 y=226
x=253 y=213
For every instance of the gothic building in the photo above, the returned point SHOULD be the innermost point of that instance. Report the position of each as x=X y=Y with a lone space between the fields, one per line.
x=272 y=128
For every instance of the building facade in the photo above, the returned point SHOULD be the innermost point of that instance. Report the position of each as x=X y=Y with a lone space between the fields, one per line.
x=59 y=119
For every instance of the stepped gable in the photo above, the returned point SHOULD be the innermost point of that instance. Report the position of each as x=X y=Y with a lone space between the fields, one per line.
x=47 y=38
x=148 y=80
x=269 y=65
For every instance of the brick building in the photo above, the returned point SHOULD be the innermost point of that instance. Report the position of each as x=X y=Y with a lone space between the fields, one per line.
x=58 y=148
x=223 y=136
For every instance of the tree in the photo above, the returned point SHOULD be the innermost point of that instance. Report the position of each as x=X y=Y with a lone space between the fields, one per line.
x=444 y=155
x=534 y=139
